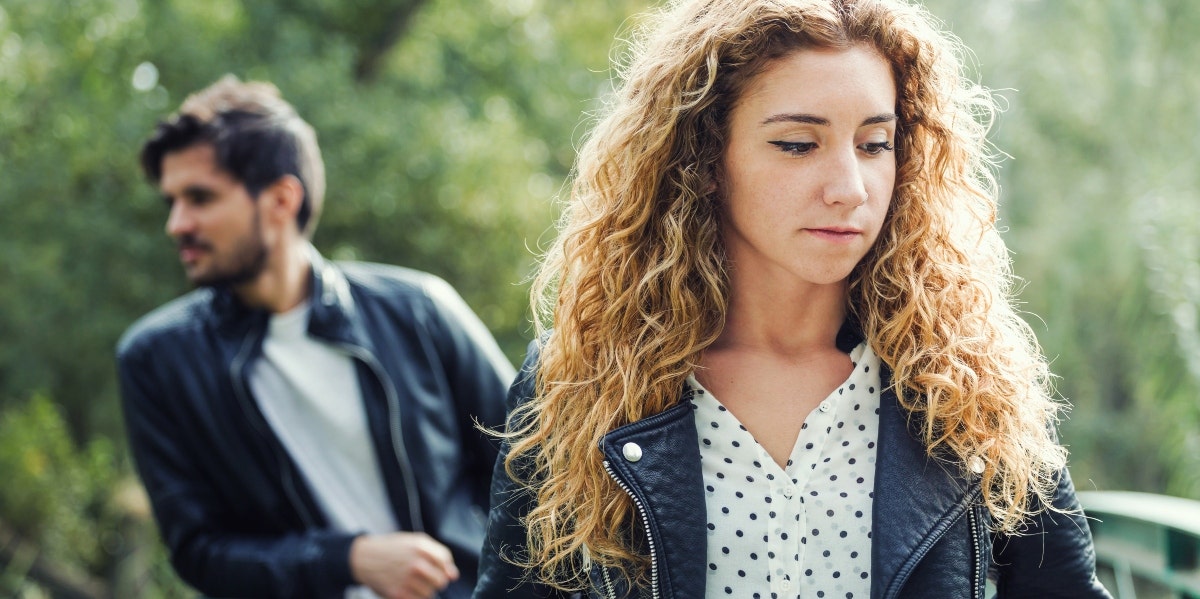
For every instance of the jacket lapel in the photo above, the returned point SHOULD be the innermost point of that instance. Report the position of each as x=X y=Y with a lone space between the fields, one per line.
x=332 y=311
x=667 y=482
x=916 y=498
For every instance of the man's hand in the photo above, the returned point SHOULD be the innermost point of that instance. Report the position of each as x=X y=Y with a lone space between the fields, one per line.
x=402 y=565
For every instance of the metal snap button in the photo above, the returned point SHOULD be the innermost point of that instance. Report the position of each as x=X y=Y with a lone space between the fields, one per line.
x=631 y=451
x=975 y=464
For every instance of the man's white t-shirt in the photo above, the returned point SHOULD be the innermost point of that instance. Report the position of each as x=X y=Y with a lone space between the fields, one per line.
x=309 y=393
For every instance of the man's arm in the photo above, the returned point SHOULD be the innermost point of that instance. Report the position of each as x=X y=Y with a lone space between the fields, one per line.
x=478 y=372
x=402 y=565
x=193 y=520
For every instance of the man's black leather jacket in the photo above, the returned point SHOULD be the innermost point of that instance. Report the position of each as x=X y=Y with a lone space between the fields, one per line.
x=232 y=507
x=930 y=537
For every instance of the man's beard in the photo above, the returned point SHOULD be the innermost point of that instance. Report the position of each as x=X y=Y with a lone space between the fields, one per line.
x=244 y=262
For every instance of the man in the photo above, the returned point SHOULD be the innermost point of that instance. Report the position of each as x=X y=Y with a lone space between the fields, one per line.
x=303 y=428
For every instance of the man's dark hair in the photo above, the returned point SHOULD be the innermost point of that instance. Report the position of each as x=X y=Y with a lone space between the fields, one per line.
x=256 y=135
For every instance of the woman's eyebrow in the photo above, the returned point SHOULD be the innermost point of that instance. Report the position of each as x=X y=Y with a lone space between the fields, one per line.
x=812 y=119
x=796 y=117
x=886 y=117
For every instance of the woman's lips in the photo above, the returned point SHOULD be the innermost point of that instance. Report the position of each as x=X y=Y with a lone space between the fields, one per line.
x=835 y=233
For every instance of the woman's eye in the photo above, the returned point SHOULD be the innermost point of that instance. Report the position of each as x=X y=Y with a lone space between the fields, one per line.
x=795 y=147
x=878 y=147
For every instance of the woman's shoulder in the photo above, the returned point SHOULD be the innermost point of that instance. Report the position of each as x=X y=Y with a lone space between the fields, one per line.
x=525 y=384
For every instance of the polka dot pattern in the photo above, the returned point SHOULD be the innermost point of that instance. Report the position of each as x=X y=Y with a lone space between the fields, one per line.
x=803 y=530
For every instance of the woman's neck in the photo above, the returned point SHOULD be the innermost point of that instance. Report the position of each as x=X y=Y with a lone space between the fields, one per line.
x=783 y=319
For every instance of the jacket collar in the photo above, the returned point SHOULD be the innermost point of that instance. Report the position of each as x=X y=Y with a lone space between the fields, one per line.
x=663 y=476
x=917 y=496
x=332 y=309
x=332 y=312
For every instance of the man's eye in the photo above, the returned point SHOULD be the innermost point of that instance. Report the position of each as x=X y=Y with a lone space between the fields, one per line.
x=199 y=198
x=879 y=147
x=796 y=148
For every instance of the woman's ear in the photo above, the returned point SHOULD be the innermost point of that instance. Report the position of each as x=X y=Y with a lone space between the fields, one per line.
x=714 y=180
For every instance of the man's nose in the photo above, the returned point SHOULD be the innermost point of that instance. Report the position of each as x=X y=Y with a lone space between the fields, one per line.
x=179 y=220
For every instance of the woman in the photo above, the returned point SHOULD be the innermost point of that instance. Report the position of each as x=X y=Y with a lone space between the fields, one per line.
x=784 y=361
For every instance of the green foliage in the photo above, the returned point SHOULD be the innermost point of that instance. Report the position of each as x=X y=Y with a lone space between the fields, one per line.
x=1101 y=126
x=53 y=491
x=444 y=155
x=446 y=149
x=447 y=160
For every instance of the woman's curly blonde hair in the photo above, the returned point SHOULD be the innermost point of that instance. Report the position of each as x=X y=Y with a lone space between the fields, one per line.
x=636 y=286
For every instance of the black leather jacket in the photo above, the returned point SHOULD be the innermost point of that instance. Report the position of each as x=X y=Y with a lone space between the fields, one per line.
x=231 y=505
x=930 y=532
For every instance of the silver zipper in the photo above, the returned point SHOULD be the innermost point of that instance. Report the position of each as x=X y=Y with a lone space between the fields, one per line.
x=928 y=544
x=410 y=481
x=330 y=296
x=612 y=593
x=289 y=483
x=976 y=578
x=646 y=523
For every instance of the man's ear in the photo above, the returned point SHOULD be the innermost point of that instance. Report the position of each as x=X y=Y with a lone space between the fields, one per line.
x=281 y=200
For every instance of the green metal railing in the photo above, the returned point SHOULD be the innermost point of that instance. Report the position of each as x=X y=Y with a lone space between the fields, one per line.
x=1147 y=546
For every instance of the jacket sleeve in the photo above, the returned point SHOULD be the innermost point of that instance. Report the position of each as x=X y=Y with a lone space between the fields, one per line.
x=478 y=372
x=499 y=577
x=1052 y=557
x=193 y=520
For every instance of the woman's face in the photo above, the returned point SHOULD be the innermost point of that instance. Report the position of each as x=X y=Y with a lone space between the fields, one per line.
x=809 y=168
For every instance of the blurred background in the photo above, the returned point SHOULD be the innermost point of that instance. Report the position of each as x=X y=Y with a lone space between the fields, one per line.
x=448 y=129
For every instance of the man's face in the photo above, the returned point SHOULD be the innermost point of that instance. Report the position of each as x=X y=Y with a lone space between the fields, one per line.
x=213 y=219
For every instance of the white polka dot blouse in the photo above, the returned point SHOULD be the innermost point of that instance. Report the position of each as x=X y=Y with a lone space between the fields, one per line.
x=801 y=531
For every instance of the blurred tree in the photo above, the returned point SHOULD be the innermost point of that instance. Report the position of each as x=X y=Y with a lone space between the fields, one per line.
x=57 y=495
x=446 y=125
x=449 y=126
x=1101 y=127
x=445 y=155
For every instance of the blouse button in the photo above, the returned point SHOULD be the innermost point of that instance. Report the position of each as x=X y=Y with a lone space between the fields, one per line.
x=631 y=451
x=785 y=584
x=825 y=406
x=787 y=492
